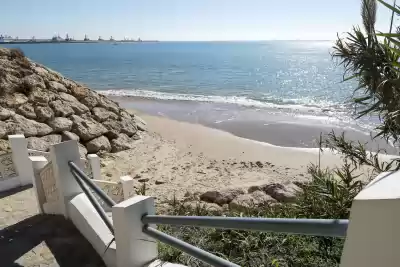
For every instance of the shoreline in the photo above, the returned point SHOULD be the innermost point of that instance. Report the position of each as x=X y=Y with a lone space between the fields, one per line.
x=275 y=127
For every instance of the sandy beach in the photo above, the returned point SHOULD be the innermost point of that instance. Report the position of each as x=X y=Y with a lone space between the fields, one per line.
x=175 y=157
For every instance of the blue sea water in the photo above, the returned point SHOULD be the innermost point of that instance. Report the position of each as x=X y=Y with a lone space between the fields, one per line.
x=220 y=84
x=248 y=73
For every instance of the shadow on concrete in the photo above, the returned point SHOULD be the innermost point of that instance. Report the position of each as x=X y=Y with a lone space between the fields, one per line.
x=14 y=191
x=67 y=245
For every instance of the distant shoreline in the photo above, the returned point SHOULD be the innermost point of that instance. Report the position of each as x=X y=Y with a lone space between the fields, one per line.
x=75 y=42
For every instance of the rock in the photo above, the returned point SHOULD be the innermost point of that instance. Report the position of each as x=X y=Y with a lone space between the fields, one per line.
x=33 y=81
x=136 y=136
x=122 y=142
x=58 y=86
x=3 y=129
x=20 y=125
x=61 y=109
x=280 y=192
x=221 y=197
x=254 y=199
x=98 y=144
x=89 y=101
x=71 y=101
x=44 y=113
x=82 y=150
x=158 y=182
x=113 y=128
x=41 y=96
x=108 y=104
x=4 y=113
x=4 y=146
x=87 y=129
x=143 y=180
x=15 y=100
x=43 y=143
x=27 y=110
x=66 y=136
x=60 y=124
x=37 y=101
x=128 y=127
x=102 y=114
x=78 y=91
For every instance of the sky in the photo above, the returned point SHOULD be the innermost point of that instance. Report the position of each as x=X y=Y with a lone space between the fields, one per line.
x=185 y=20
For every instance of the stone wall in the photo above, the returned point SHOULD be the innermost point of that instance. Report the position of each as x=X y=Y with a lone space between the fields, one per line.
x=49 y=108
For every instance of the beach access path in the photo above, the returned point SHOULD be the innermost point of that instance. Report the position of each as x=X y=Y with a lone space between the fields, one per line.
x=28 y=238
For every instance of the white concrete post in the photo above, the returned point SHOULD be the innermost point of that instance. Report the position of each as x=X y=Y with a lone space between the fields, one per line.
x=127 y=186
x=21 y=159
x=60 y=155
x=134 y=248
x=94 y=162
x=373 y=235
x=38 y=162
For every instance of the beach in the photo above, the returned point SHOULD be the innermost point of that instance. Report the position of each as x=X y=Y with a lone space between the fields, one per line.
x=177 y=159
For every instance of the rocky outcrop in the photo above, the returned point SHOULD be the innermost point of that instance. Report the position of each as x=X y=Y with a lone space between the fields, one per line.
x=47 y=108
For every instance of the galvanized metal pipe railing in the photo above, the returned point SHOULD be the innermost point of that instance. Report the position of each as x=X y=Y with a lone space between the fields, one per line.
x=187 y=248
x=107 y=200
x=81 y=178
x=315 y=227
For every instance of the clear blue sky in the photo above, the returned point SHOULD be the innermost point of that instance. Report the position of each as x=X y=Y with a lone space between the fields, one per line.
x=184 y=19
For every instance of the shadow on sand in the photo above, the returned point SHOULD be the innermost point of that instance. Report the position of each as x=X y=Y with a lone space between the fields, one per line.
x=68 y=246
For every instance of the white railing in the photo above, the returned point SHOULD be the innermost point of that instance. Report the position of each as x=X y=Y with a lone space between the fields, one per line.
x=7 y=168
x=33 y=152
x=49 y=184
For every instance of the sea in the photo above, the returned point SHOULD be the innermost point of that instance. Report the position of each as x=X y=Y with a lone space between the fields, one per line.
x=281 y=92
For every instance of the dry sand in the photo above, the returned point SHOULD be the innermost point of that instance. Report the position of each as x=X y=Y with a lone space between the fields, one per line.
x=176 y=157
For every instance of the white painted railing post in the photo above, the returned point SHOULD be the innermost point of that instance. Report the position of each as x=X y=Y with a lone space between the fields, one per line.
x=21 y=159
x=60 y=155
x=38 y=162
x=133 y=248
x=127 y=186
x=94 y=162
x=373 y=234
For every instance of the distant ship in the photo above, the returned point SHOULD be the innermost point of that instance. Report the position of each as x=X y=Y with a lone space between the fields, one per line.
x=100 y=39
x=86 y=38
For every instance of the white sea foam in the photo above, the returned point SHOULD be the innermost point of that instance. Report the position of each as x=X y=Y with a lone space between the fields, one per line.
x=238 y=100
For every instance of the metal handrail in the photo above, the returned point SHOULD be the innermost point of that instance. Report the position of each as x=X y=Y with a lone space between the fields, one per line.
x=84 y=182
x=316 y=227
x=186 y=247
x=107 y=200
x=94 y=202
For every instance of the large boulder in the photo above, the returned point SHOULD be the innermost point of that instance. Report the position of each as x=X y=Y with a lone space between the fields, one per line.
x=61 y=109
x=59 y=87
x=122 y=142
x=43 y=143
x=4 y=113
x=221 y=197
x=108 y=104
x=59 y=124
x=3 y=129
x=44 y=113
x=41 y=96
x=98 y=144
x=102 y=114
x=71 y=101
x=66 y=136
x=87 y=129
x=33 y=81
x=15 y=100
x=27 y=110
x=21 y=125
x=281 y=192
